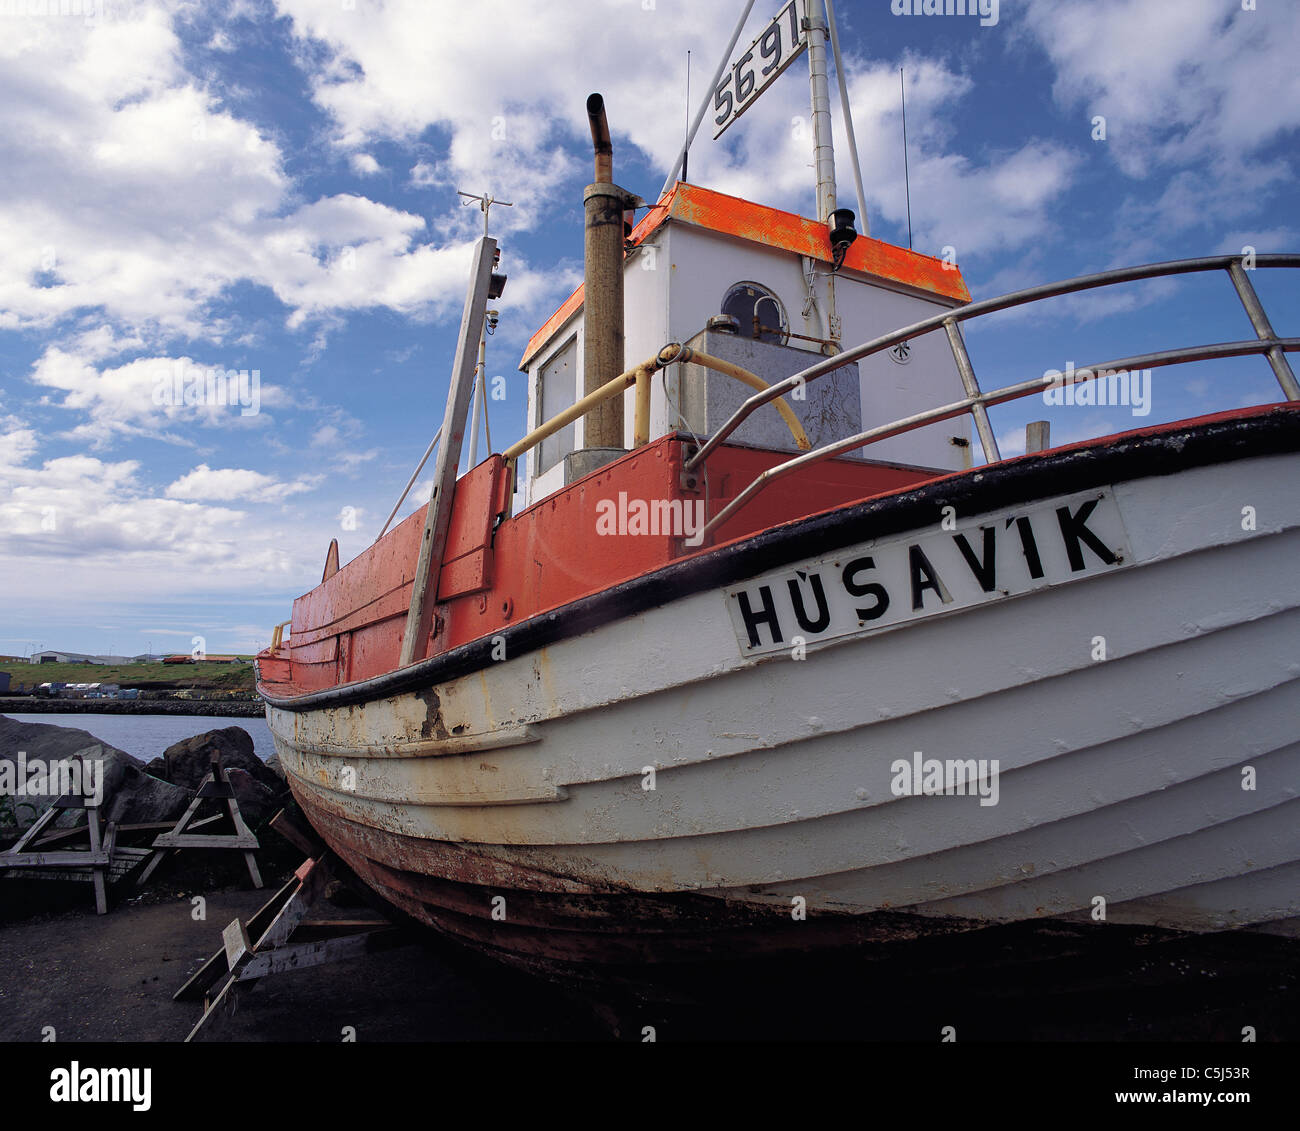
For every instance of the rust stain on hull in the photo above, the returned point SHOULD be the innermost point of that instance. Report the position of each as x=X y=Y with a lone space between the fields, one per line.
x=552 y=925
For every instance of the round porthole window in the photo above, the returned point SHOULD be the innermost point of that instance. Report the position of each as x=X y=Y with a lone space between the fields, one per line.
x=758 y=311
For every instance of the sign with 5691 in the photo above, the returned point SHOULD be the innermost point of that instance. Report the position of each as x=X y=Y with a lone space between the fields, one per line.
x=781 y=43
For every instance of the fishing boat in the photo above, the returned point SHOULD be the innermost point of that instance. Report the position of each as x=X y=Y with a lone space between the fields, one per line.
x=742 y=651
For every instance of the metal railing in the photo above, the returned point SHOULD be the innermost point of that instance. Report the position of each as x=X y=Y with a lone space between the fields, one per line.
x=976 y=402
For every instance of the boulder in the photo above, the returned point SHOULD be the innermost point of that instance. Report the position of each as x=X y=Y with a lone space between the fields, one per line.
x=190 y=761
x=130 y=794
x=273 y=764
x=257 y=802
x=141 y=798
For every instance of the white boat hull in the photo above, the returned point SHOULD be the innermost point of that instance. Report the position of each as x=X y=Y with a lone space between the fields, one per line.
x=1154 y=786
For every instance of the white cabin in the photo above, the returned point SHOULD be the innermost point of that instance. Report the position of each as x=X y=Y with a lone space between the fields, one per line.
x=698 y=254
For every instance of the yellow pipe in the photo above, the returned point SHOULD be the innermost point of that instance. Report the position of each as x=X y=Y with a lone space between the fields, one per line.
x=755 y=382
x=581 y=408
x=640 y=376
x=641 y=423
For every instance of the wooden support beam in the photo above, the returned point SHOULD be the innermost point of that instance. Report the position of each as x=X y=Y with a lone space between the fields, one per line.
x=93 y=863
x=303 y=839
x=277 y=950
x=214 y=786
x=437 y=521
x=212 y=970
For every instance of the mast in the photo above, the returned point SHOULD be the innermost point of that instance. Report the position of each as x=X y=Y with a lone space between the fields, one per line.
x=842 y=79
x=485 y=202
x=823 y=147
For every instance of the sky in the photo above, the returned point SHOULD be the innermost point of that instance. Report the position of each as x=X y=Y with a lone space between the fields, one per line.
x=267 y=189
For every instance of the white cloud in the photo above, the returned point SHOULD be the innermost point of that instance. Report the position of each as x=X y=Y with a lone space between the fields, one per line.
x=1177 y=83
x=999 y=201
x=364 y=165
x=1192 y=92
x=423 y=175
x=397 y=72
x=83 y=532
x=160 y=397
x=229 y=484
x=133 y=192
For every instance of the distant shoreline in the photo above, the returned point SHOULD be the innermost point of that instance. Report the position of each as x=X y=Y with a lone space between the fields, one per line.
x=31 y=705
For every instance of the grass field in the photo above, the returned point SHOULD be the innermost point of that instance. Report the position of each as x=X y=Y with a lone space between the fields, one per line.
x=157 y=677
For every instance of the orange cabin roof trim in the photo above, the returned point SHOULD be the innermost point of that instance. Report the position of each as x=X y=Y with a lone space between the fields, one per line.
x=773 y=227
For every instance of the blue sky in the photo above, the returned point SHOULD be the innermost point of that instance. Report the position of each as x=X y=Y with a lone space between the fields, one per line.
x=270 y=186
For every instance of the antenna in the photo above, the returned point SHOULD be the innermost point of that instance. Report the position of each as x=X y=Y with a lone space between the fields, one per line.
x=907 y=183
x=485 y=203
x=848 y=117
x=707 y=101
x=686 y=149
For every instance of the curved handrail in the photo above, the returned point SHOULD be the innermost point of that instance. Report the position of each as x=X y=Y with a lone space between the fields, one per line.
x=976 y=401
x=1006 y=302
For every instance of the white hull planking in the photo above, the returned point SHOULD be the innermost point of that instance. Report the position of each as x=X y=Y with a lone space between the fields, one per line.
x=1119 y=778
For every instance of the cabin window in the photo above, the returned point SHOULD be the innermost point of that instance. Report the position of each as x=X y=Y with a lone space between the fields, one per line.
x=558 y=379
x=758 y=311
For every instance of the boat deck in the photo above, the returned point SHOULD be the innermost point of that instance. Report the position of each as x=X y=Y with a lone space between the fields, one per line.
x=499 y=571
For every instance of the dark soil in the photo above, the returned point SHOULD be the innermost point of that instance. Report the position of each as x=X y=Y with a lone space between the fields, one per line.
x=112 y=977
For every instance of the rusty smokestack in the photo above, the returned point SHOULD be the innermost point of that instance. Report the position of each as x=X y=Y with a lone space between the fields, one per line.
x=603 y=205
x=600 y=140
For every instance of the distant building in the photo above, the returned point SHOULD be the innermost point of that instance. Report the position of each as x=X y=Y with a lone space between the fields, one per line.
x=52 y=657
x=220 y=660
x=82 y=691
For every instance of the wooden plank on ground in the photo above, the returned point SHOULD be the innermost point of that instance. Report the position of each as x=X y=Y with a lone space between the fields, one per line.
x=211 y=971
x=205 y=840
x=303 y=839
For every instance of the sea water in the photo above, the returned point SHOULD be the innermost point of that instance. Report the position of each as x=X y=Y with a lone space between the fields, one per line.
x=147 y=736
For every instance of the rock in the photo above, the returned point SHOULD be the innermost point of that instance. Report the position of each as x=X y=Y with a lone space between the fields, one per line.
x=143 y=799
x=257 y=802
x=157 y=768
x=273 y=764
x=129 y=794
x=190 y=761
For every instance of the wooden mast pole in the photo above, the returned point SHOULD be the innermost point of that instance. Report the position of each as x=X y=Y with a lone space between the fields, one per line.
x=438 y=517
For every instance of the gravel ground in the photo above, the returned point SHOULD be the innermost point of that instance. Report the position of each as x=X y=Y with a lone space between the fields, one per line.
x=111 y=978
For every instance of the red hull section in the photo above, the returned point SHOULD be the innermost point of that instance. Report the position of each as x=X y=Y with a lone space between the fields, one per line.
x=496 y=574
x=500 y=572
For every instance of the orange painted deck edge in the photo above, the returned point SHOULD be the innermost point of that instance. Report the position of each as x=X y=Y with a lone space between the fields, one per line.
x=773 y=227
